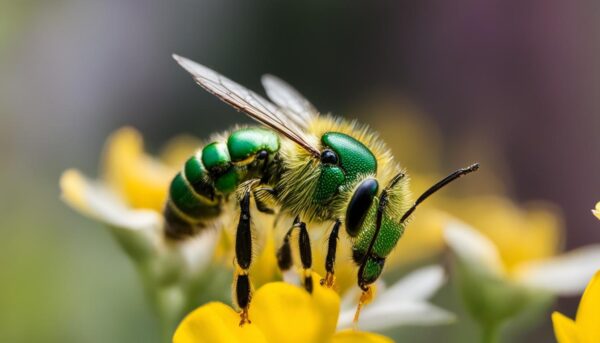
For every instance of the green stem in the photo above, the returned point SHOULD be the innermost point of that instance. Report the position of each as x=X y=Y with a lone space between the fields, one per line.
x=167 y=302
x=170 y=303
x=490 y=333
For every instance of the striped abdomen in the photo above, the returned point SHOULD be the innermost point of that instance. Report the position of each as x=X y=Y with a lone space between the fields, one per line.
x=198 y=191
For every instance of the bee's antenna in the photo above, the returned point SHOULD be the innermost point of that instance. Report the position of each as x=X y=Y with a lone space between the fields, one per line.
x=440 y=184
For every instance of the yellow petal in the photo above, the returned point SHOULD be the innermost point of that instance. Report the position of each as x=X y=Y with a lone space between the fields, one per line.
x=142 y=180
x=596 y=211
x=215 y=322
x=588 y=313
x=328 y=302
x=564 y=329
x=352 y=336
x=287 y=313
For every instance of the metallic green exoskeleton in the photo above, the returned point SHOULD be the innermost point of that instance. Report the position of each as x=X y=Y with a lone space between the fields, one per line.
x=311 y=167
x=199 y=190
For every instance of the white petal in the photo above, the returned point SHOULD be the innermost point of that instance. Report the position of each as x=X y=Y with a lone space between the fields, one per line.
x=421 y=284
x=473 y=248
x=380 y=316
x=292 y=277
x=401 y=304
x=111 y=210
x=197 y=251
x=98 y=202
x=95 y=200
x=567 y=274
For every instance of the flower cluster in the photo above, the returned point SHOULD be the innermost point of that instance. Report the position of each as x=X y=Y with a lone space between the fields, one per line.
x=506 y=258
x=128 y=199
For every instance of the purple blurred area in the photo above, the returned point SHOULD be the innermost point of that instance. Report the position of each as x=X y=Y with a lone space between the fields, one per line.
x=523 y=76
x=520 y=78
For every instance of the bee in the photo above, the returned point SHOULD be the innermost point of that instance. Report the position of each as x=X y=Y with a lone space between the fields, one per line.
x=312 y=167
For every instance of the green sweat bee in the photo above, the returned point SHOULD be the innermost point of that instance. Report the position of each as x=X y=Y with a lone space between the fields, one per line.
x=313 y=167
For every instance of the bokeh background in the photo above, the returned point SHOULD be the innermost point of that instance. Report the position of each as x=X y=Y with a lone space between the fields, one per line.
x=513 y=84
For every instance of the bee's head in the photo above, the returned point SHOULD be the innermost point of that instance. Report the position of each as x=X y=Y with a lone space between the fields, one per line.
x=320 y=186
x=350 y=160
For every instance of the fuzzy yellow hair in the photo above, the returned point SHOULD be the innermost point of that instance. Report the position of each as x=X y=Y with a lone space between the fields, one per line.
x=300 y=178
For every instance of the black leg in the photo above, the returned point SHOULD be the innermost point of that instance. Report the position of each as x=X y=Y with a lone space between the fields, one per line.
x=264 y=197
x=284 y=254
x=243 y=257
x=331 y=251
x=305 y=257
x=243 y=236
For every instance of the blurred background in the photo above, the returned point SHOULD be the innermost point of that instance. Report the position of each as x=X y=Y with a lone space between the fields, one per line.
x=513 y=85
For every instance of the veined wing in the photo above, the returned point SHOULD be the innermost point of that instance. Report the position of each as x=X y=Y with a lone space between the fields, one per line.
x=294 y=104
x=245 y=100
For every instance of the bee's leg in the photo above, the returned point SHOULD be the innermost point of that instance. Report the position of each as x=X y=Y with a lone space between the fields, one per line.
x=331 y=251
x=305 y=257
x=264 y=198
x=284 y=253
x=243 y=258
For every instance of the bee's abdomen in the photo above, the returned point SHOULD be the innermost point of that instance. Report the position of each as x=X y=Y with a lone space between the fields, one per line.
x=198 y=191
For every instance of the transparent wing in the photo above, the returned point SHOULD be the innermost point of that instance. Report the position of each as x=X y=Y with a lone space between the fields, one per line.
x=297 y=108
x=246 y=101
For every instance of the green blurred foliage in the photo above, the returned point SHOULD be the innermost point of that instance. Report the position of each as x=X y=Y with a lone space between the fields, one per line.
x=63 y=277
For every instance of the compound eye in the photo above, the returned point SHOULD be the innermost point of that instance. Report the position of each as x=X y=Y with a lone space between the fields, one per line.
x=359 y=205
x=263 y=154
x=329 y=157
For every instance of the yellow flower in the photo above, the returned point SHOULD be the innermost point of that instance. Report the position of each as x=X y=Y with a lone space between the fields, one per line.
x=520 y=236
x=280 y=312
x=596 y=211
x=586 y=327
x=128 y=199
x=560 y=274
x=512 y=262
x=496 y=288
